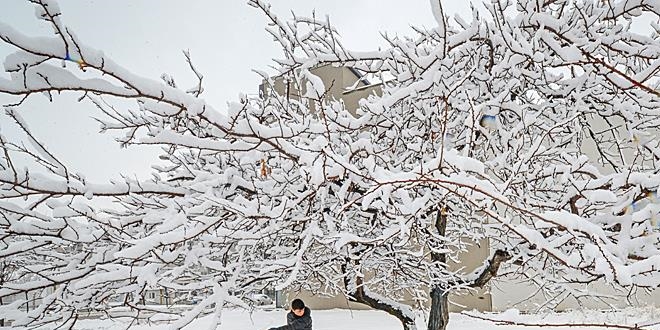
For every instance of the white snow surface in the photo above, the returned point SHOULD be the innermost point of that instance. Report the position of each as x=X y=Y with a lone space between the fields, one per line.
x=341 y=319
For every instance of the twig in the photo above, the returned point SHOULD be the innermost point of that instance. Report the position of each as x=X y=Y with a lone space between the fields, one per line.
x=568 y=325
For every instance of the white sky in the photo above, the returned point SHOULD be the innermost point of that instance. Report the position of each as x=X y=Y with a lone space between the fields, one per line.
x=226 y=40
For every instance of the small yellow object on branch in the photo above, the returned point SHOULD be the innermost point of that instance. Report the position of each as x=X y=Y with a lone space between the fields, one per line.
x=264 y=168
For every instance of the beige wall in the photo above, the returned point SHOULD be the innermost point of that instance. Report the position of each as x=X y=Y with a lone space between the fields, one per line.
x=479 y=299
x=510 y=293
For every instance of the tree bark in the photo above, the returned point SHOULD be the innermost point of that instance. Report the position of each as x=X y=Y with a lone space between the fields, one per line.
x=439 y=314
x=360 y=297
x=357 y=293
x=490 y=271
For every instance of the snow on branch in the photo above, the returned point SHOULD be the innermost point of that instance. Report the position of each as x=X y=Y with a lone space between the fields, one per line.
x=534 y=130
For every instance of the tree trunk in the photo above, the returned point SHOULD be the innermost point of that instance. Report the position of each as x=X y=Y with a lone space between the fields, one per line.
x=439 y=314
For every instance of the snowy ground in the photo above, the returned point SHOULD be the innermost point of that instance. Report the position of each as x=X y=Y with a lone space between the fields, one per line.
x=374 y=320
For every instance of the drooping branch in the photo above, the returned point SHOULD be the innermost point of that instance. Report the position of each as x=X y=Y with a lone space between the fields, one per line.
x=555 y=325
x=363 y=296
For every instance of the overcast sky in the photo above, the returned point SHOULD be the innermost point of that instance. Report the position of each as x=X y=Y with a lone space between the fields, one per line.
x=226 y=39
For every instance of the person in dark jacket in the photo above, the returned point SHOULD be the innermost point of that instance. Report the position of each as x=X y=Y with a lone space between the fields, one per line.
x=299 y=318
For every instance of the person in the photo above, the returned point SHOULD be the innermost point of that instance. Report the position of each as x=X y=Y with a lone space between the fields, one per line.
x=299 y=318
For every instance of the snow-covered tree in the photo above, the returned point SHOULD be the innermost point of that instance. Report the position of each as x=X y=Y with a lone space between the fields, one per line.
x=531 y=126
x=217 y=216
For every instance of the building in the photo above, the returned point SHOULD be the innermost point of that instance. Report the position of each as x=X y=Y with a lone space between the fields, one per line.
x=349 y=86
